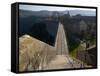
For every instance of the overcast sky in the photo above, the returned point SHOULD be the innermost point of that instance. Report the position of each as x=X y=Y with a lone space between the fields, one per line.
x=50 y=8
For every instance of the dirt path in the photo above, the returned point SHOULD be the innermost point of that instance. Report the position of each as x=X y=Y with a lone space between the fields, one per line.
x=63 y=62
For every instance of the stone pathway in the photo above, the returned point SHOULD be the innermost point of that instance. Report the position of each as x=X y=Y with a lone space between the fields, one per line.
x=63 y=62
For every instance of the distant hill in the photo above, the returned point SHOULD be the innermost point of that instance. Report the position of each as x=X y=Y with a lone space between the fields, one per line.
x=81 y=12
x=45 y=13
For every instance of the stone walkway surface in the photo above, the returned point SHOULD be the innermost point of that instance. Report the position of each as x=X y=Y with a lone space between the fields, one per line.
x=64 y=62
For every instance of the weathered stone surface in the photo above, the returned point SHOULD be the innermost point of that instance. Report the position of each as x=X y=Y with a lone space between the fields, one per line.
x=61 y=43
x=33 y=53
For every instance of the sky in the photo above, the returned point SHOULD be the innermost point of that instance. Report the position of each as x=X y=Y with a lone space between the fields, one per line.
x=50 y=8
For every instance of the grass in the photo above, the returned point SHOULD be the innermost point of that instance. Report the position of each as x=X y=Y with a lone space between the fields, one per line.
x=73 y=53
x=73 y=48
